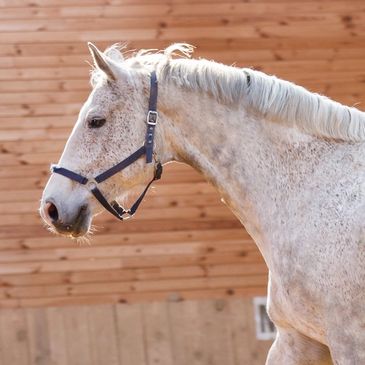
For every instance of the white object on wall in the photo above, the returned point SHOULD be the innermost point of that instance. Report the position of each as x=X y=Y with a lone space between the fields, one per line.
x=265 y=329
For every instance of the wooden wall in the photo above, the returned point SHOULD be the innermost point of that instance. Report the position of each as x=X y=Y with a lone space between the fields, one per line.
x=201 y=332
x=184 y=243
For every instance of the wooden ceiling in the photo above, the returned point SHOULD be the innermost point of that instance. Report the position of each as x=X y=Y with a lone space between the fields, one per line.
x=183 y=243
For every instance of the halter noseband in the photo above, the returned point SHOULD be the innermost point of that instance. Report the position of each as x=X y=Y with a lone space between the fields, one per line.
x=147 y=149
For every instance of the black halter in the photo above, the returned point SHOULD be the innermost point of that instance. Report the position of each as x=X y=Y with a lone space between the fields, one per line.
x=147 y=149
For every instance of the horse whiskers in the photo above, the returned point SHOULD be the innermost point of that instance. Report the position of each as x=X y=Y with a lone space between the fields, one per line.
x=80 y=240
x=87 y=238
x=50 y=228
x=93 y=228
x=84 y=239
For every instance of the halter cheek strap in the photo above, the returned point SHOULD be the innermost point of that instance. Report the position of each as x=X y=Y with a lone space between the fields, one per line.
x=147 y=149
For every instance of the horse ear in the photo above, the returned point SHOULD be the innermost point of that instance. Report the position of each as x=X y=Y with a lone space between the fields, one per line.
x=102 y=62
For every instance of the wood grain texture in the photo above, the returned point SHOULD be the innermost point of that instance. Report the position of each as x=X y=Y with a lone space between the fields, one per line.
x=184 y=243
x=194 y=332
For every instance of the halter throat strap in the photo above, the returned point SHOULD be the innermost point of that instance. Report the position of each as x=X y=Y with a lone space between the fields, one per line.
x=147 y=149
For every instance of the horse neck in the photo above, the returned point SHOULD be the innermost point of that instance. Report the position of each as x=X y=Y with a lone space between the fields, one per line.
x=236 y=152
x=264 y=170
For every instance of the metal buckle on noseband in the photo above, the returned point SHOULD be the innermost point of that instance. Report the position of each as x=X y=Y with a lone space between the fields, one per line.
x=152 y=117
x=147 y=149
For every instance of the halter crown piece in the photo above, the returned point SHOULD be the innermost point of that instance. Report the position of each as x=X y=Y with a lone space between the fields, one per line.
x=147 y=149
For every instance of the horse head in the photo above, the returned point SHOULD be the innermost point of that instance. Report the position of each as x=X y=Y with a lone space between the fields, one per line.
x=111 y=127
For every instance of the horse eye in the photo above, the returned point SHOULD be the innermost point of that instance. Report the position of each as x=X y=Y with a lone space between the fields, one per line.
x=96 y=122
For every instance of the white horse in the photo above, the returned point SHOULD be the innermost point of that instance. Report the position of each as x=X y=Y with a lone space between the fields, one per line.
x=290 y=164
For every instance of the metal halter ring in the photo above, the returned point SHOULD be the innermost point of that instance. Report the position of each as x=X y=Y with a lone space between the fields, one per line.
x=91 y=184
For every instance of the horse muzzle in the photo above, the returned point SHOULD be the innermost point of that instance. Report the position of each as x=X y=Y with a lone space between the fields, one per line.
x=75 y=223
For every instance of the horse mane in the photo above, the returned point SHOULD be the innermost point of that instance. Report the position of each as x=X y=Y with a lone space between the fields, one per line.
x=275 y=99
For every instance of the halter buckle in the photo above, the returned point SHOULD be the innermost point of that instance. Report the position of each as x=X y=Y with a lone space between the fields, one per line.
x=152 y=116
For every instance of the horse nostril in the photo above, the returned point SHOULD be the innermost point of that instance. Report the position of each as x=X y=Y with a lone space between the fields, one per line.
x=52 y=212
